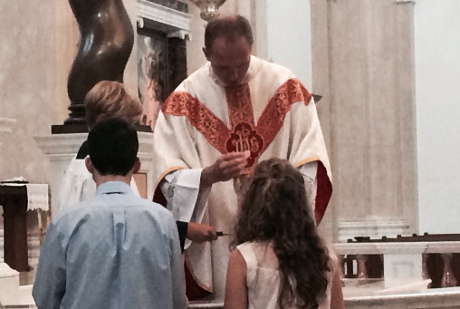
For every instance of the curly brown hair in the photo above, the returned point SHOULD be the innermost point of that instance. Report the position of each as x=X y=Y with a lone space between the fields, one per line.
x=275 y=209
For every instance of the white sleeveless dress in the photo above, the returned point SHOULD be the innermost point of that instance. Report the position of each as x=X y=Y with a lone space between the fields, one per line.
x=263 y=279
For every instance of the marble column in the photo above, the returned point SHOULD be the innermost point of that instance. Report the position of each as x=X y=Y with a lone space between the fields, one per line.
x=363 y=65
x=9 y=278
x=6 y=127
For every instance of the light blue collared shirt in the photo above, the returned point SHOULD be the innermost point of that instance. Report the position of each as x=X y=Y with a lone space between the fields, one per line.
x=115 y=250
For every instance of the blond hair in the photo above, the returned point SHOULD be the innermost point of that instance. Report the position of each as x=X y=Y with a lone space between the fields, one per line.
x=110 y=99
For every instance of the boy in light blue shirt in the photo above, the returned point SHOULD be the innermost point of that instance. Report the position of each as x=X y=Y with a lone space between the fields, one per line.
x=115 y=250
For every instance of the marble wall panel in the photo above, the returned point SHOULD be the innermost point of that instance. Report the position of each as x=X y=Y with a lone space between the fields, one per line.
x=27 y=83
x=363 y=63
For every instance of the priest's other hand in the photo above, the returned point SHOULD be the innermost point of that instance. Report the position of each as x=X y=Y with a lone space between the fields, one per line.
x=199 y=232
x=226 y=167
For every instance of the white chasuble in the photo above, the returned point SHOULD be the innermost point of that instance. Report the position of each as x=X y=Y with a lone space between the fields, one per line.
x=271 y=114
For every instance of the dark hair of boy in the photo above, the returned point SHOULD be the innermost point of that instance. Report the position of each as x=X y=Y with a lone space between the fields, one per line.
x=113 y=146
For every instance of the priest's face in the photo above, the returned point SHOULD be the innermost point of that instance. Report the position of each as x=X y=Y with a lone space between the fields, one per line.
x=229 y=59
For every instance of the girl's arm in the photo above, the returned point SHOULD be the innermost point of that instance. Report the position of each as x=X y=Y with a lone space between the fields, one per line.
x=236 y=294
x=336 y=290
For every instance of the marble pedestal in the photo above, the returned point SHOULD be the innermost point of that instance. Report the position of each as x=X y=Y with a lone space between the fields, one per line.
x=61 y=148
x=9 y=284
x=12 y=294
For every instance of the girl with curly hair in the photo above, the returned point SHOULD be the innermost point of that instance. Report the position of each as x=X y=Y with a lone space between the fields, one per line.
x=280 y=261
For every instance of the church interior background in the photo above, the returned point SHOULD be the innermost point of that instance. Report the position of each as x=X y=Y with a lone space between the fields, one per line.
x=387 y=71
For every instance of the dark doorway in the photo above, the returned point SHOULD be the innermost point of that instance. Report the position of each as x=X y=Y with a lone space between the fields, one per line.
x=162 y=65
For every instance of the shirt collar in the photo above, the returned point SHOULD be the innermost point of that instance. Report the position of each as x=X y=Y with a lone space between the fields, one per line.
x=113 y=187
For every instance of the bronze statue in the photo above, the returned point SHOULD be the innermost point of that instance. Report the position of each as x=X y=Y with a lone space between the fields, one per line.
x=106 y=41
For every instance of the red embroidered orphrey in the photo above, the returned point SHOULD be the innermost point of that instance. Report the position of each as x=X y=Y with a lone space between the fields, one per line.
x=243 y=133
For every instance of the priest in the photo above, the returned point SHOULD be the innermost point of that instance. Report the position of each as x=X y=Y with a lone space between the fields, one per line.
x=235 y=110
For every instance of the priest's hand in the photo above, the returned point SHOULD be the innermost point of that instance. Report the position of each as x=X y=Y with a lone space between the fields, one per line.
x=199 y=232
x=226 y=167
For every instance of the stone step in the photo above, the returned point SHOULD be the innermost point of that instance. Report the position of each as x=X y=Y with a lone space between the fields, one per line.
x=206 y=304
x=25 y=299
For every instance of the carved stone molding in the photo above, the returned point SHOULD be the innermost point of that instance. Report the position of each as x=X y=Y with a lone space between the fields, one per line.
x=58 y=145
x=372 y=228
x=175 y=19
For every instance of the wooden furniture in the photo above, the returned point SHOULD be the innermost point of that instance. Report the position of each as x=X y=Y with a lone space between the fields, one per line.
x=13 y=199
x=17 y=200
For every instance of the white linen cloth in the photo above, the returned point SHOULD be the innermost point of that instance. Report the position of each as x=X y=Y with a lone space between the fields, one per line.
x=37 y=195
